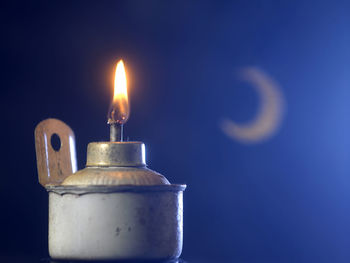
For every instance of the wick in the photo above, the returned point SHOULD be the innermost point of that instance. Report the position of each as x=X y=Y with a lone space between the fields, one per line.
x=116 y=132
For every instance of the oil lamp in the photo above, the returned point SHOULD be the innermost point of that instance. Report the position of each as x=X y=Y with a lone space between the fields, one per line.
x=115 y=208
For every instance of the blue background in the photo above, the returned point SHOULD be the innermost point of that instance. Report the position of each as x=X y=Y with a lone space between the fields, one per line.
x=282 y=200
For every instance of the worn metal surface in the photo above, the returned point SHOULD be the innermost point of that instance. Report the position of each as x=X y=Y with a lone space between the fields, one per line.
x=116 y=132
x=54 y=166
x=116 y=163
x=82 y=190
x=131 y=154
x=124 y=225
x=115 y=176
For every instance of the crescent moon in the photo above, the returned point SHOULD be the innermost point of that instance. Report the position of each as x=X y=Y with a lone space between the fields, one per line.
x=269 y=115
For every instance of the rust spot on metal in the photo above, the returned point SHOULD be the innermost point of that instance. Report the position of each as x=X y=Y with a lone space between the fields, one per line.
x=117 y=231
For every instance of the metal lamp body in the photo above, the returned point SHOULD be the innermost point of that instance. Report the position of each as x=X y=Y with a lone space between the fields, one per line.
x=119 y=223
x=112 y=210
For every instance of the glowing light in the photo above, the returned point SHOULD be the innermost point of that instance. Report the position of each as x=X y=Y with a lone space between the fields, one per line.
x=119 y=110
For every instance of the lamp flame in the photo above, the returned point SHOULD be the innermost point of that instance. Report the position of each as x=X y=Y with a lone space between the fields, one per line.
x=119 y=110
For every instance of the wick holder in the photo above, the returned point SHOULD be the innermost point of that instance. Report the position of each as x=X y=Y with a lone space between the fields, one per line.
x=118 y=154
x=116 y=163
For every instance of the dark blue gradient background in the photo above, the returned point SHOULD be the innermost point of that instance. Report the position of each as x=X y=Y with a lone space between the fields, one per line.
x=282 y=200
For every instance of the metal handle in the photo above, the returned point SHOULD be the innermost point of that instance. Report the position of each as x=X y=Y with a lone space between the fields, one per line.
x=55 y=159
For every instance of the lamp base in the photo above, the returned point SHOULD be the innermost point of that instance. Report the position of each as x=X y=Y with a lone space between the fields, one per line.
x=115 y=222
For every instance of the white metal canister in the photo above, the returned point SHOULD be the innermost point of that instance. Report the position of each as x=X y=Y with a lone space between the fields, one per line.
x=116 y=222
